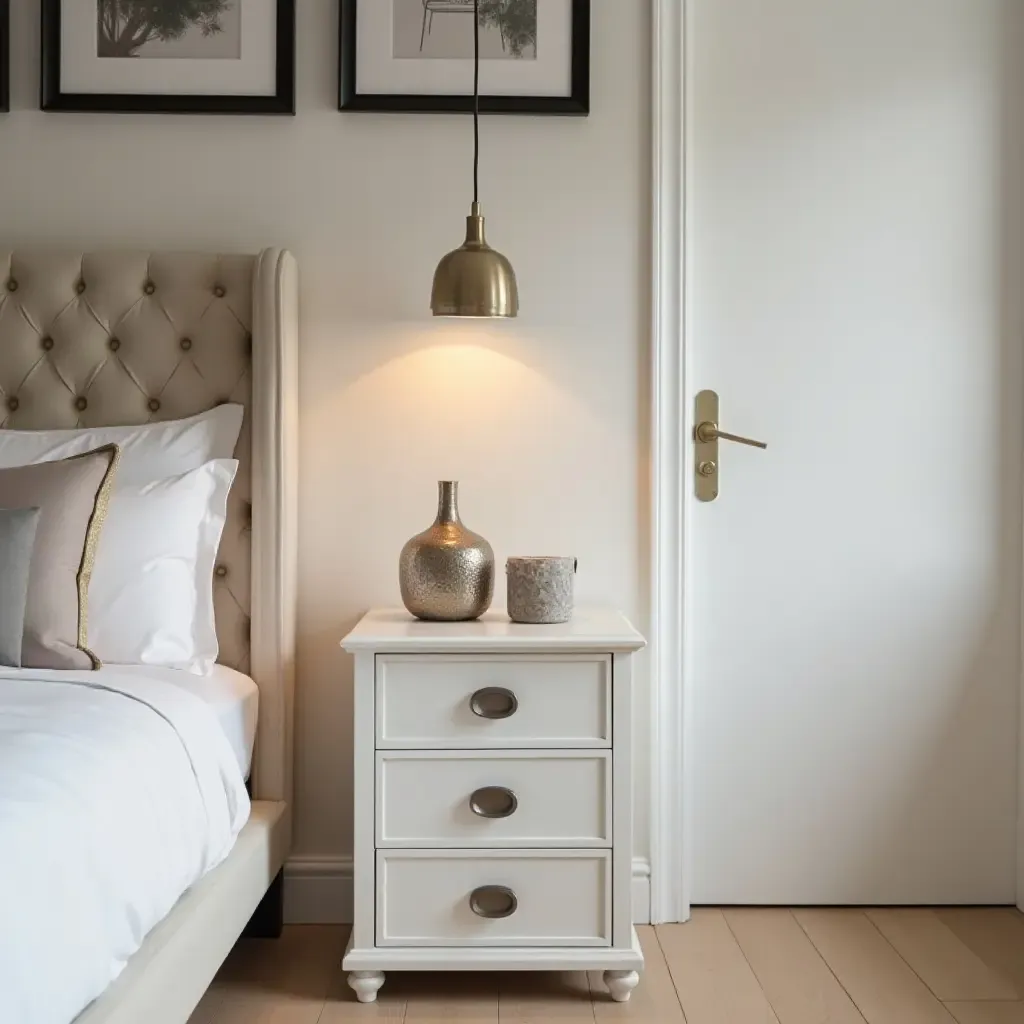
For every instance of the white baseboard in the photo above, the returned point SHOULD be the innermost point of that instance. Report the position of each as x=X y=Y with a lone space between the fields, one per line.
x=318 y=890
x=641 y=890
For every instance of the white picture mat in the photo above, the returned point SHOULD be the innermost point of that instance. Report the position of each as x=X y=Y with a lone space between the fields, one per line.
x=255 y=74
x=378 y=72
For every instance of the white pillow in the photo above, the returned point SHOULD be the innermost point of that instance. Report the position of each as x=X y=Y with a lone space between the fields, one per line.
x=148 y=452
x=151 y=595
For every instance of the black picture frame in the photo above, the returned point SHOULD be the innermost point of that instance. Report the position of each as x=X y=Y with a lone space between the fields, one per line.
x=53 y=98
x=576 y=104
x=5 y=56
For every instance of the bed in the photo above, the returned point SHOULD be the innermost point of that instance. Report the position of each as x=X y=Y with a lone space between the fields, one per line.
x=103 y=339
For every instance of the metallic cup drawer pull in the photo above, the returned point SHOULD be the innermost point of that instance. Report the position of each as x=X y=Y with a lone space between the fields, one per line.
x=493 y=802
x=493 y=902
x=494 y=702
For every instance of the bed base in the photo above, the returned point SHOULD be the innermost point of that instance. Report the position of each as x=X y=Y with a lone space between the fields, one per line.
x=167 y=977
x=268 y=921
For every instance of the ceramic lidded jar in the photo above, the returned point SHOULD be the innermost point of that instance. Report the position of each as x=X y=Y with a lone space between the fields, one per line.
x=446 y=573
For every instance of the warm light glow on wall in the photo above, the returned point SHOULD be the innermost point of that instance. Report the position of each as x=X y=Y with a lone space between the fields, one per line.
x=439 y=408
x=461 y=398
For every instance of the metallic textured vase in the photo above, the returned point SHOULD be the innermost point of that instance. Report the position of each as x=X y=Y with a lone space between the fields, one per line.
x=447 y=572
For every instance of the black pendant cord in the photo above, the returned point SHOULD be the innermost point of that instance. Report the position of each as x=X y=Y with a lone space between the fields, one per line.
x=476 y=101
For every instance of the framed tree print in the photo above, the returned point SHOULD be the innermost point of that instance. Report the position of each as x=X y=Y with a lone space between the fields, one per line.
x=417 y=55
x=5 y=56
x=169 y=56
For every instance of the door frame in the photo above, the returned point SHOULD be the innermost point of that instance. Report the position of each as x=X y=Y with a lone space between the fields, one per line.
x=671 y=464
x=671 y=469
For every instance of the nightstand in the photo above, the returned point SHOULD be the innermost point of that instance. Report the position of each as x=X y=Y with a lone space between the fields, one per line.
x=493 y=797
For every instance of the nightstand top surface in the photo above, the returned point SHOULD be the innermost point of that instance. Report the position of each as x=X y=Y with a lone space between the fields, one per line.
x=394 y=629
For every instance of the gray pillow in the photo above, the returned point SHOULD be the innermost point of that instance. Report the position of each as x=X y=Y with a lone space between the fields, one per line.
x=17 y=538
x=72 y=497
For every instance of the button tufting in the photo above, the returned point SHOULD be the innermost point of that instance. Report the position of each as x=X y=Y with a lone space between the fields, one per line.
x=126 y=380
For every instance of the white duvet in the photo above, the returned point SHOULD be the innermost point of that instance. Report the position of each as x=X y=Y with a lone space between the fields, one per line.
x=117 y=793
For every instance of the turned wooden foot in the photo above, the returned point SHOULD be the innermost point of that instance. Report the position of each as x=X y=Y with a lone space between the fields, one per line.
x=365 y=984
x=620 y=984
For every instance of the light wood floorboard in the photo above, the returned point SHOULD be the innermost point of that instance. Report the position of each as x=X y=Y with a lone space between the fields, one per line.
x=282 y=981
x=877 y=978
x=995 y=934
x=941 y=960
x=431 y=998
x=711 y=974
x=797 y=982
x=534 y=997
x=737 y=966
x=987 y=1012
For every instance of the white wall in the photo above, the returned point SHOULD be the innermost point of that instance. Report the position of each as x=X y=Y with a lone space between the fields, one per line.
x=541 y=419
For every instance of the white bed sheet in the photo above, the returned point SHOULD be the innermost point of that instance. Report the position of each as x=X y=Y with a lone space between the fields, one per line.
x=118 y=791
x=233 y=698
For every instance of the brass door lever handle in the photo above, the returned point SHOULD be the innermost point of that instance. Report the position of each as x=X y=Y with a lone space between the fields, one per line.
x=706 y=436
x=708 y=431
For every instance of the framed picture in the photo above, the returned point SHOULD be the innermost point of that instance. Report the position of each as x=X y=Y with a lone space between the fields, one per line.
x=5 y=56
x=169 y=56
x=418 y=55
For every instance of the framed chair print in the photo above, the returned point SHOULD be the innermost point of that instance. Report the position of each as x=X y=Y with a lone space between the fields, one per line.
x=417 y=55
x=169 y=56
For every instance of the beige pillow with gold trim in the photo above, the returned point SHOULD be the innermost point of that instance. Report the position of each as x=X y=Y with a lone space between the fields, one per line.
x=72 y=496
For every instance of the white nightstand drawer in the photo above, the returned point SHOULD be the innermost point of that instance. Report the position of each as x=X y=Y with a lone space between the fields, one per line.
x=547 y=898
x=515 y=798
x=474 y=701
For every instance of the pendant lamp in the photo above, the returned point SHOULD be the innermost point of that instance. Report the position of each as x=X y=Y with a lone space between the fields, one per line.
x=475 y=280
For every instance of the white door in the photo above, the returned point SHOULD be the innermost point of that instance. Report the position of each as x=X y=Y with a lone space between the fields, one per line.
x=856 y=303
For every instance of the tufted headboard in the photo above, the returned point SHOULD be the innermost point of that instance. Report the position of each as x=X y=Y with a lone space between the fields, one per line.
x=104 y=339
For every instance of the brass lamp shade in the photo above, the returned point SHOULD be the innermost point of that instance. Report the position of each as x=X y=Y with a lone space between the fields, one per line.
x=474 y=280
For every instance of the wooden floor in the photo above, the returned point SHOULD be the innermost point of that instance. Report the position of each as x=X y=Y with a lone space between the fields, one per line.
x=724 y=967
